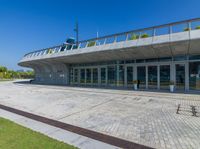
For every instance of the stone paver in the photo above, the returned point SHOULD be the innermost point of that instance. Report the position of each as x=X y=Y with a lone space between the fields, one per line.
x=147 y=118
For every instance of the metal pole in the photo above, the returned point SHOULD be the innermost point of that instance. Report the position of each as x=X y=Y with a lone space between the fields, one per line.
x=77 y=33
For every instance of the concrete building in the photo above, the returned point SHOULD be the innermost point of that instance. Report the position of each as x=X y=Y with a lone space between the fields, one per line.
x=154 y=56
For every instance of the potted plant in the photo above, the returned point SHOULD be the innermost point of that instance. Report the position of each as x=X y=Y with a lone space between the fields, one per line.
x=91 y=44
x=171 y=86
x=135 y=84
x=134 y=37
x=187 y=29
x=145 y=35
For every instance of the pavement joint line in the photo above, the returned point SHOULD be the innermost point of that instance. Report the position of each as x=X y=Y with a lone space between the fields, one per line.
x=78 y=130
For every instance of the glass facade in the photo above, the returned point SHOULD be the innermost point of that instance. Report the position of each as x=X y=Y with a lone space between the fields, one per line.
x=141 y=76
x=88 y=76
x=194 y=75
x=82 y=80
x=129 y=72
x=95 y=76
x=121 y=75
x=164 y=76
x=103 y=76
x=150 y=75
x=75 y=75
x=180 y=76
x=112 y=75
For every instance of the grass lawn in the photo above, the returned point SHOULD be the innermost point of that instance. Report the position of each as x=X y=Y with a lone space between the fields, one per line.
x=1 y=80
x=14 y=136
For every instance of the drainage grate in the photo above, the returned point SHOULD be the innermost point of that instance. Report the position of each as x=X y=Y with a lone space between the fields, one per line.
x=187 y=110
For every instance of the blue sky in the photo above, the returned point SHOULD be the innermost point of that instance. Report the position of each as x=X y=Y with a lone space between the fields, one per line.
x=27 y=25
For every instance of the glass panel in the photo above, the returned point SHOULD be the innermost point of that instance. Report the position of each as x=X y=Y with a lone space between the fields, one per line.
x=195 y=25
x=112 y=77
x=121 y=38
x=76 y=76
x=95 y=76
x=71 y=76
x=164 y=76
x=194 y=76
x=121 y=75
x=103 y=75
x=82 y=80
x=110 y=40
x=129 y=75
x=83 y=45
x=88 y=75
x=63 y=48
x=162 y=31
x=152 y=77
x=141 y=75
x=180 y=28
x=100 y=41
x=180 y=76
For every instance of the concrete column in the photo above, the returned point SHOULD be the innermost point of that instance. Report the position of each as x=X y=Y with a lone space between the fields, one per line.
x=99 y=76
x=135 y=72
x=187 y=76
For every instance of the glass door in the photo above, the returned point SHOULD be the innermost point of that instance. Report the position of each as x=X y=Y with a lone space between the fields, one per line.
x=180 y=76
x=141 y=76
x=164 y=76
x=129 y=76
x=103 y=75
x=152 y=77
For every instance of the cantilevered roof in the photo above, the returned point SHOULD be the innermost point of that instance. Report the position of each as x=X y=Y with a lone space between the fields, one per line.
x=179 y=38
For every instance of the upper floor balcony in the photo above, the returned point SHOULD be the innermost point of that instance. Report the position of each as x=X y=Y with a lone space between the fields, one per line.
x=179 y=38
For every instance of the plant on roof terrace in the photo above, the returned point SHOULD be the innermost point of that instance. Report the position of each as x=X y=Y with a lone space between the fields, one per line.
x=91 y=44
x=134 y=37
x=145 y=35
x=187 y=29
x=197 y=27
x=50 y=51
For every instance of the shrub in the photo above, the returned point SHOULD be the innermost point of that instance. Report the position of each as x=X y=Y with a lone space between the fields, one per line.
x=187 y=29
x=91 y=43
x=134 y=37
x=145 y=35
x=197 y=27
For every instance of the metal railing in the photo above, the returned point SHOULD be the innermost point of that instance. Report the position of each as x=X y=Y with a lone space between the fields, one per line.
x=181 y=26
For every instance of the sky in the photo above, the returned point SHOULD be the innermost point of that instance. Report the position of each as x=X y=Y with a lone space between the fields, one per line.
x=28 y=25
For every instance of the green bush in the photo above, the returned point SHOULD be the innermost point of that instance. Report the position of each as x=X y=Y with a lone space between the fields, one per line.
x=91 y=44
x=10 y=74
x=145 y=35
x=197 y=27
x=187 y=29
x=134 y=37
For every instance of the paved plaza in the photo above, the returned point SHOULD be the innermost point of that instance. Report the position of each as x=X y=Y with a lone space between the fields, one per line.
x=147 y=118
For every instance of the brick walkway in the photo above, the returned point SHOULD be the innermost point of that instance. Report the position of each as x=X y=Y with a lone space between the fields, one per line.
x=146 y=118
